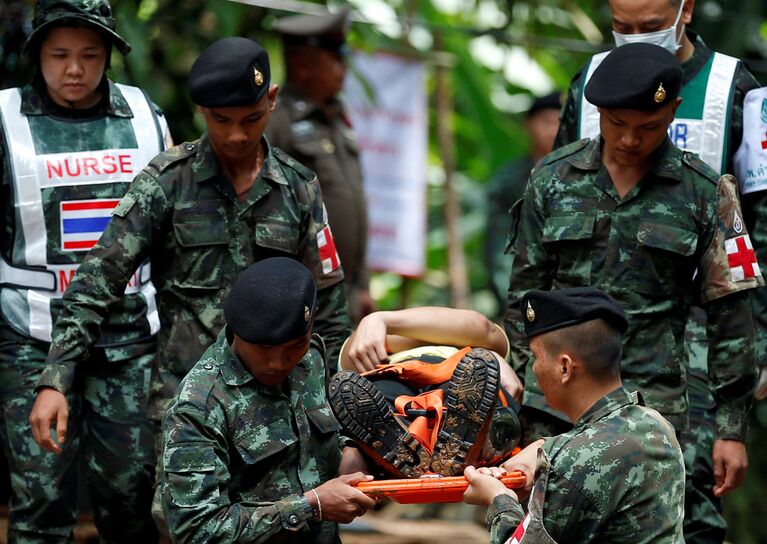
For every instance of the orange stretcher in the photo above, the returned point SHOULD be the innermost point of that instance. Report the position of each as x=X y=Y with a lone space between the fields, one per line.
x=429 y=489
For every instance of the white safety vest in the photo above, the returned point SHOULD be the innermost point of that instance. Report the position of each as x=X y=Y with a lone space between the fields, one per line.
x=52 y=227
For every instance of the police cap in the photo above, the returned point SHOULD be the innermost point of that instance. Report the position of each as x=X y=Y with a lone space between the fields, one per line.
x=635 y=76
x=230 y=72
x=271 y=302
x=551 y=101
x=545 y=311
x=326 y=31
x=94 y=13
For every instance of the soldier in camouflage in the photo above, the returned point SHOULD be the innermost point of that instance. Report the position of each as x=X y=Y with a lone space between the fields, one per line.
x=634 y=215
x=250 y=447
x=709 y=123
x=309 y=123
x=599 y=481
x=72 y=141
x=202 y=211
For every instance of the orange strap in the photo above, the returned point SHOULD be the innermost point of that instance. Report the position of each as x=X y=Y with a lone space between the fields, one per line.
x=425 y=429
x=418 y=373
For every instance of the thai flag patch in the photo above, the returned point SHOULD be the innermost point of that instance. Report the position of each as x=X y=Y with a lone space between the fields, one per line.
x=519 y=532
x=328 y=253
x=83 y=222
x=741 y=258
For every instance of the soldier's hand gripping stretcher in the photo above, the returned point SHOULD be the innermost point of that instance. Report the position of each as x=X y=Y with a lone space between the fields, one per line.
x=431 y=488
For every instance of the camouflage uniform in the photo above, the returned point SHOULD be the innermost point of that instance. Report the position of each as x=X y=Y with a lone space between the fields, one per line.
x=572 y=229
x=182 y=212
x=237 y=455
x=108 y=421
x=325 y=143
x=600 y=481
x=702 y=433
x=505 y=187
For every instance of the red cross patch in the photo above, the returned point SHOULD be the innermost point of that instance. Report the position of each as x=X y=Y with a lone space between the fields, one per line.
x=519 y=532
x=741 y=258
x=328 y=253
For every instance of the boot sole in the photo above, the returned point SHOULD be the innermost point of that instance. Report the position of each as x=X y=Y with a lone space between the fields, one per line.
x=470 y=400
x=363 y=412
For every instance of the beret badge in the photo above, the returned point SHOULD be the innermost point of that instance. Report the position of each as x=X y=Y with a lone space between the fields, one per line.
x=660 y=94
x=307 y=314
x=530 y=313
x=258 y=77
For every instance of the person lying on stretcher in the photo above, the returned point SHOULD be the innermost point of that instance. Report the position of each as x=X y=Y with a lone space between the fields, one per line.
x=427 y=390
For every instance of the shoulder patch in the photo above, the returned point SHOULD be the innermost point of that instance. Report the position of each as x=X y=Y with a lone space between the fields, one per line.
x=697 y=164
x=562 y=152
x=173 y=155
x=293 y=164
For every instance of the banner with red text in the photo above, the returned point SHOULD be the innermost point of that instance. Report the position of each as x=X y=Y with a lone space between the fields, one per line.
x=385 y=95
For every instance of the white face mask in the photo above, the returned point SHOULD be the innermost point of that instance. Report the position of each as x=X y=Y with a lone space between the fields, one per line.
x=667 y=38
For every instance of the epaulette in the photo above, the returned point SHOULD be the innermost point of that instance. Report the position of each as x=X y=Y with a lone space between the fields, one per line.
x=199 y=383
x=293 y=164
x=562 y=152
x=697 y=164
x=170 y=156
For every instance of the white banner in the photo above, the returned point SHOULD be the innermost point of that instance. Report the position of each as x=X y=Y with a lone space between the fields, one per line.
x=386 y=99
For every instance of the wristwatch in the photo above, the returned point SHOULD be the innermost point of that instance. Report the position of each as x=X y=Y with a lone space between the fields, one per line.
x=310 y=512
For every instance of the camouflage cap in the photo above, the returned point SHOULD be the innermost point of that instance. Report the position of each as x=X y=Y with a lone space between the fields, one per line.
x=96 y=13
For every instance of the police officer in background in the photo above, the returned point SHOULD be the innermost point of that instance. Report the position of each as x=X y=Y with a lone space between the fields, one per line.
x=72 y=140
x=709 y=122
x=203 y=211
x=632 y=214
x=507 y=185
x=309 y=124
x=251 y=451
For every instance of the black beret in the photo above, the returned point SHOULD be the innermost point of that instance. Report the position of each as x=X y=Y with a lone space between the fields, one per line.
x=231 y=72
x=545 y=311
x=635 y=76
x=551 y=101
x=271 y=302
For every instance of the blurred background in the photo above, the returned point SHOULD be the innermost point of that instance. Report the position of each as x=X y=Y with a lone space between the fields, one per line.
x=485 y=61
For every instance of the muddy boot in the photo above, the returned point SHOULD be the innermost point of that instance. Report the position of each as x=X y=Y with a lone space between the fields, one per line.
x=365 y=415
x=470 y=399
x=503 y=436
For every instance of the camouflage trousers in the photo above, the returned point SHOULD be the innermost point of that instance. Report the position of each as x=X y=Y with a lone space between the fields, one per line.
x=703 y=520
x=108 y=436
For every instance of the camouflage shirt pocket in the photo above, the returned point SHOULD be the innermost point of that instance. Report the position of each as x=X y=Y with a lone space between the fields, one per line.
x=190 y=472
x=568 y=241
x=322 y=418
x=202 y=243
x=261 y=442
x=663 y=260
x=276 y=238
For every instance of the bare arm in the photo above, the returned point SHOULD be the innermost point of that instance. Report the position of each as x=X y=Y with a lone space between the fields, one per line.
x=405 y=329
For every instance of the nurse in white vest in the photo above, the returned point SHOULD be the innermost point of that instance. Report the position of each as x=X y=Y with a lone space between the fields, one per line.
x=709 y=122
x=71 y=142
